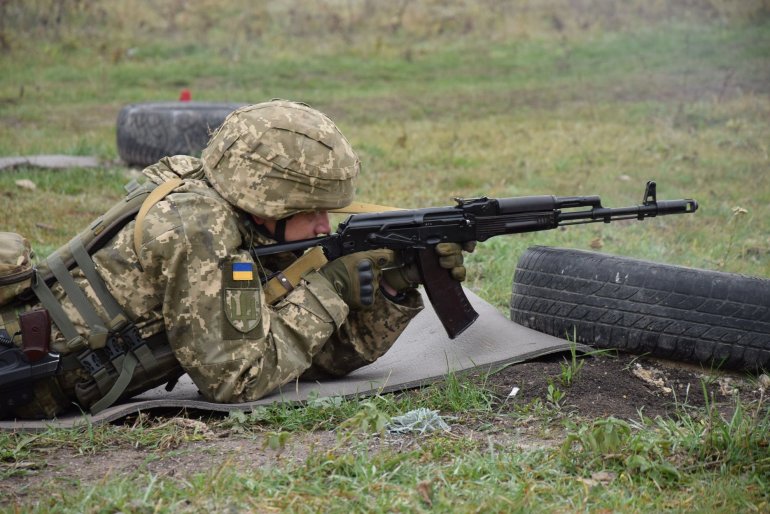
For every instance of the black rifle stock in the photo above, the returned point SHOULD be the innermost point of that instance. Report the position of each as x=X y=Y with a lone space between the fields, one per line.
x=415 y=233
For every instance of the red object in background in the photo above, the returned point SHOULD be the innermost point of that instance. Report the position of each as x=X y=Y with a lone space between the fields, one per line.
x=185 y=96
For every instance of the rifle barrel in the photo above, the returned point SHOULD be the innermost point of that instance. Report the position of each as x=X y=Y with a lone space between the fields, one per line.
x=647 y=210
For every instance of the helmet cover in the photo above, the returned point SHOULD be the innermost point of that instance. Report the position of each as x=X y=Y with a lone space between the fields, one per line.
x=278 y=158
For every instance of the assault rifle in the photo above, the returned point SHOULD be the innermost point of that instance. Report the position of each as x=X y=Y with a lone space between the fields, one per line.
x=415 y=233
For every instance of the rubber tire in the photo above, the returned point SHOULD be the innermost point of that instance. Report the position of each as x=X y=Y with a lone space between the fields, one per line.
x=716 y=319
x=147 y=132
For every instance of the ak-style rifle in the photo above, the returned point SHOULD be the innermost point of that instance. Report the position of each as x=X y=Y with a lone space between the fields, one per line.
x=415 y=233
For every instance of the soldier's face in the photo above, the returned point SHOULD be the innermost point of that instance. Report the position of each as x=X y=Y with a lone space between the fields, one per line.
x=301 y=226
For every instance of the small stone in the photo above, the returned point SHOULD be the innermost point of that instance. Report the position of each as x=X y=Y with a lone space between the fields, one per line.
x=25 y=183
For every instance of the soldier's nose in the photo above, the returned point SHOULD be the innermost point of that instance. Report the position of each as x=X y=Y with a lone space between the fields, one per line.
x=323 y=225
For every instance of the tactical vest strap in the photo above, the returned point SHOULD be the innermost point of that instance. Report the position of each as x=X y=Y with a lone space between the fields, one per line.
x=124 y=357
x=75 y=341
x=114 y=348
x=123 y=346
x=157 y=194
x=134 y=343
x=86 y=265
x=132 y=377
x=92 y=362
x=98 y=333
x=284 y=282
x=120 y=385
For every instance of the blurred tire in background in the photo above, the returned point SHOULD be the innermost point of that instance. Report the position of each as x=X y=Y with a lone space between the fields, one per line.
x=147 y=132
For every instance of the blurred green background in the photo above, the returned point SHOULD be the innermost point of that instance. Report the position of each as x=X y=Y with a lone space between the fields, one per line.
x=440 y=98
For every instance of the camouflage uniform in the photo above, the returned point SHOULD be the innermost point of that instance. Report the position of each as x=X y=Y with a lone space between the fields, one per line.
x=182 y=283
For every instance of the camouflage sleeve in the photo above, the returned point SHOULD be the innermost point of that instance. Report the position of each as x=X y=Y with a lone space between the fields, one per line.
x=365 y=336
x=233 y=346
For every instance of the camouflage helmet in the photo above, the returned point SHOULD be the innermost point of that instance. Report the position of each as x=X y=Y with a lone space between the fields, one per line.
x=278 y=158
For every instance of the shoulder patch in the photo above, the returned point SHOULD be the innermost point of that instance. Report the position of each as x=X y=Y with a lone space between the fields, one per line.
x=241 y=301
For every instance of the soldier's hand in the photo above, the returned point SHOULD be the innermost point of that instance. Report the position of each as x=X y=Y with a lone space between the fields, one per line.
x=450 y=257
x=356 y=277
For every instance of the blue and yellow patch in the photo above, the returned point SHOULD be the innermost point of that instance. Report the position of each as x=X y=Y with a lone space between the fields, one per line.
x=243 y=271
x=241 y=300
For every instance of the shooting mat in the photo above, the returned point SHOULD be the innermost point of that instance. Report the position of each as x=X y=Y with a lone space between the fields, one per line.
x=421 y=355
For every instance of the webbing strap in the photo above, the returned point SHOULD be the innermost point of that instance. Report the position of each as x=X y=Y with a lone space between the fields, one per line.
x=134 y=349
x=114 y=310
x=117 y=362
x=126 y=372
x=287 y=280
x=103 y=379
x=157 y=194
x=86 y=265
x=98 y=333
x=60 y=318
x=138 y=346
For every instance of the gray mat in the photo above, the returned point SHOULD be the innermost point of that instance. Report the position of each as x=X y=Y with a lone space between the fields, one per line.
x=422 y=354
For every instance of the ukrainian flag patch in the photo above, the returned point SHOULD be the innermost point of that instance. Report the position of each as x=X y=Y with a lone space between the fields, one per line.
x=243 y=271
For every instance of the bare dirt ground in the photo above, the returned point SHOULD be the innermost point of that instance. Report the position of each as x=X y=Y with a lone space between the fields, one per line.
x=625 y=386
x=622 y=386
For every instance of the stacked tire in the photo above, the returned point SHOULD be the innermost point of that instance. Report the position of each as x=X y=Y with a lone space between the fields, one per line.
x=720 y=320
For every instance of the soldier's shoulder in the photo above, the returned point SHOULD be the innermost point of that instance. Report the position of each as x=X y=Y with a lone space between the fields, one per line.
x=176 y=166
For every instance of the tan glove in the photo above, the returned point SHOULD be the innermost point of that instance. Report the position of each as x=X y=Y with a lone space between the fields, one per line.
x=450 y=258
x=356 y=277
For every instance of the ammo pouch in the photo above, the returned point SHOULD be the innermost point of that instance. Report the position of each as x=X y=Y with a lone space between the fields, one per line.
x=163 y=369
x=15 y=266
x=120 y=362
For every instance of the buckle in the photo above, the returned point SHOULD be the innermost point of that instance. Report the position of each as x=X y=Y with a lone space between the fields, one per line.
x=131 y=337
x=91 y=362
x=113 y=348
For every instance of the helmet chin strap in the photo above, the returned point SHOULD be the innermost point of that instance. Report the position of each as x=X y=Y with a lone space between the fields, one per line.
x=278 y=234
x=280 y=230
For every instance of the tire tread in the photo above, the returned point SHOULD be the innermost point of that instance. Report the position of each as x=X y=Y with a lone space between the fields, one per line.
x=714 y=318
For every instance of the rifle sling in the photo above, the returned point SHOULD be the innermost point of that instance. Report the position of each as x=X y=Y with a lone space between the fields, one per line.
x=285 y=281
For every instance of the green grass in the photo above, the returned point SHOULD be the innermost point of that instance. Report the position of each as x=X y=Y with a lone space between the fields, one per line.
x=495 y=480
x=443 y=99
x=685 y=105
x=696 y=461
x=62 y=203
